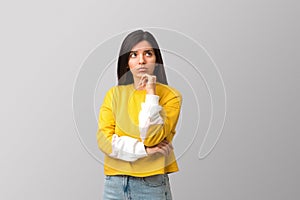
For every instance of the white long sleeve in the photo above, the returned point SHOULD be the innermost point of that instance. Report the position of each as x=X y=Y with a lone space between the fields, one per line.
x=149 y=114
x=127 y=148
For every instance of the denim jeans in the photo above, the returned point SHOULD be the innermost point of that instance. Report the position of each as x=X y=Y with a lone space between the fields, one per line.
x=121 y=187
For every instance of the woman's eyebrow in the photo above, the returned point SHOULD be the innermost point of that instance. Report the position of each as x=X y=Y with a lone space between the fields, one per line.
x=143 y=50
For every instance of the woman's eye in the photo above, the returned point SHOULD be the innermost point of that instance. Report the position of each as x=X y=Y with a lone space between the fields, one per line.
x=132 y=55
x=149 y=53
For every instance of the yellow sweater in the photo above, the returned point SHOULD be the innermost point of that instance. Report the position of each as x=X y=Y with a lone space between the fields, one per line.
x=119 y=114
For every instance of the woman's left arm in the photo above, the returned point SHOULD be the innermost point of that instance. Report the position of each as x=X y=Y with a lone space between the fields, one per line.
x=158 y=122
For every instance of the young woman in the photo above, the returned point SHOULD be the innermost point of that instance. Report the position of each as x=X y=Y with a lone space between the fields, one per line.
x=137 y=123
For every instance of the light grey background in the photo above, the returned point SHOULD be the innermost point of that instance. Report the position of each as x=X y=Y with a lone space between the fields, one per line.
x=254 y=43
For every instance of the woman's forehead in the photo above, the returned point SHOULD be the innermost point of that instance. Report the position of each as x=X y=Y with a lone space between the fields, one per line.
x=143 y=45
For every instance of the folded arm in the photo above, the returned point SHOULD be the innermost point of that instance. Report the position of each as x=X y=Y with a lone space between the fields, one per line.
x=158 y=122
x=124 y=147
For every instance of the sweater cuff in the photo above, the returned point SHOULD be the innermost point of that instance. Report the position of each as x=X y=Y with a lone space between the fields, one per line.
x=141 y=150
x=152 y=99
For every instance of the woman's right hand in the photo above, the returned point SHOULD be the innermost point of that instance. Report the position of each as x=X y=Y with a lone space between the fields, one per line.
x=148 y=83
x=163 y=148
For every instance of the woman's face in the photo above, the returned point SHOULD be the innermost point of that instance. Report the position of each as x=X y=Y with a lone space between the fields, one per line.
x=142 y=59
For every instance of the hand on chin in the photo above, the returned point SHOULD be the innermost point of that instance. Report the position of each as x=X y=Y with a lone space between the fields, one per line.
x=147 y=82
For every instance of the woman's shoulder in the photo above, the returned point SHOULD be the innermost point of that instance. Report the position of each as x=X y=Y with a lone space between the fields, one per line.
x=167 y=89
x=168 y=93
x=119 y=88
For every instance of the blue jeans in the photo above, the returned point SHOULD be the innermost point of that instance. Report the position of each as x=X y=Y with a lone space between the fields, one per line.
x=155 y=187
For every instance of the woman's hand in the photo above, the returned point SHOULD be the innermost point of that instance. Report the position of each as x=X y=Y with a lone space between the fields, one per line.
x=148 y=82
x=163 y=148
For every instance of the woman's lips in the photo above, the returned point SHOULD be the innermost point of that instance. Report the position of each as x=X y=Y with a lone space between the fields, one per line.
x=142 y=69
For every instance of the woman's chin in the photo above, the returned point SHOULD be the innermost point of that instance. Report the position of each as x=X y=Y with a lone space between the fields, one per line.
x=140 y=74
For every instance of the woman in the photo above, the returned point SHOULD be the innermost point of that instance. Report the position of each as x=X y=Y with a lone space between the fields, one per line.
x=137 y=123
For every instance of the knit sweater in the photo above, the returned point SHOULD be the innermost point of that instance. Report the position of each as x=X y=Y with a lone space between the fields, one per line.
x=129 y=121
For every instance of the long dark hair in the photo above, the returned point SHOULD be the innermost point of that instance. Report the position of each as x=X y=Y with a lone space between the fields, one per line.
x=124 y=74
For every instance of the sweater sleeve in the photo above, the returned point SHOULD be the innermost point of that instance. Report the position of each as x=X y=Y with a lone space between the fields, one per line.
x=124 y=147
x=158 y=122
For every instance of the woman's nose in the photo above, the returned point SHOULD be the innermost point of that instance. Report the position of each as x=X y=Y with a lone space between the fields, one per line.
x=141 y=59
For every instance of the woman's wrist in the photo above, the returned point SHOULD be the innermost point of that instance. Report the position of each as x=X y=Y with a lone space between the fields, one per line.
x=151 y=91
x=147 y=150
x=151 y=88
